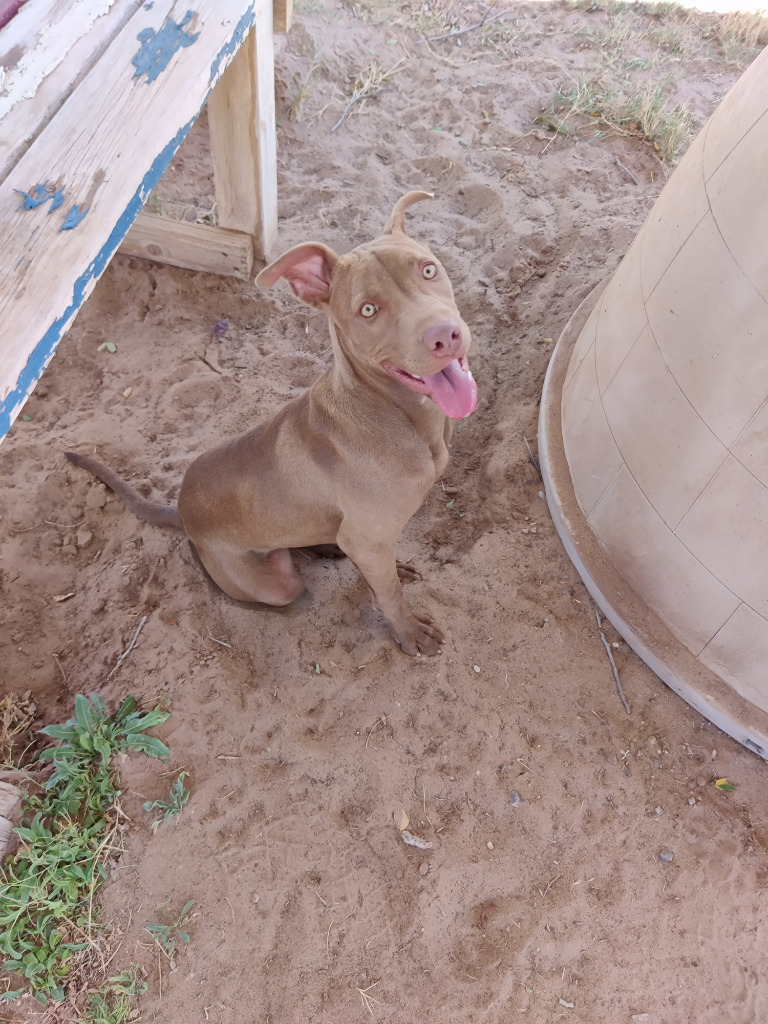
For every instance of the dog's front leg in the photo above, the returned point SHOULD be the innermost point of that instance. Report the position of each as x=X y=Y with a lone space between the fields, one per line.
x=377 y=564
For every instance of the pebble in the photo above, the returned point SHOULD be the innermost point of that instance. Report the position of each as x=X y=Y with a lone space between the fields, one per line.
x=489 y=844
x=423 y=868
x=476 y=668
x=692 y=800
x=666 y=856
x=700 y=780
x=515 y=799
x=84 y=538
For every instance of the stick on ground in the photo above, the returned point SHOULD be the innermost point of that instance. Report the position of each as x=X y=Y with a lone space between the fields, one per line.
x=619 y=687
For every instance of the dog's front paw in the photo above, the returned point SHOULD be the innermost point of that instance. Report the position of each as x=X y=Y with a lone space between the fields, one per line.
x=407 y=573
x=420 y=637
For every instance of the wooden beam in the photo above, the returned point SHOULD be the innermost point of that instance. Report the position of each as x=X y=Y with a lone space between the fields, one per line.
x=282 y=15
x=241 y=118
x=193 y=246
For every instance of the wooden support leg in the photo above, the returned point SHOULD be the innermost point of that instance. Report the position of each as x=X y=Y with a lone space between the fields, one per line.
x=241 y=116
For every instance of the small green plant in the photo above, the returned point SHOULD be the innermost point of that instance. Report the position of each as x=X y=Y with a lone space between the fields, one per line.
x=111 y=1004
x=177 y=797
x=67 y=832
x=167 y=936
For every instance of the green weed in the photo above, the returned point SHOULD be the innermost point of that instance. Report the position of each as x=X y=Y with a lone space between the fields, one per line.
x=111 y=1004
x=167 y=936
x=177 y=797
x=67 y=832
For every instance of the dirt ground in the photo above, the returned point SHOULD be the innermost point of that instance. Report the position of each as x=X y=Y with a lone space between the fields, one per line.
x=306 y=730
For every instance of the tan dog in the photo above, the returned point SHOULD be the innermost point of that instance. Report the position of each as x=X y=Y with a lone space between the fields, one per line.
x=350 y=460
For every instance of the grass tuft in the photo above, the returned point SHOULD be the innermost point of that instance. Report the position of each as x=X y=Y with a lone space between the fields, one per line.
x=67 y=833
x=171 y=807
x=111 y=1003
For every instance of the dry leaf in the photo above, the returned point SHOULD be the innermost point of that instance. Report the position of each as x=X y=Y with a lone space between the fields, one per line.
x=725 y=786
x=401 y=820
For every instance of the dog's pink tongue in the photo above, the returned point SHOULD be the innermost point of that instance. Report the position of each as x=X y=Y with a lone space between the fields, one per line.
x=454 y=390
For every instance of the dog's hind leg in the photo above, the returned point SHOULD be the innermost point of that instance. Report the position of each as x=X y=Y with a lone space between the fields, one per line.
x=266 y=576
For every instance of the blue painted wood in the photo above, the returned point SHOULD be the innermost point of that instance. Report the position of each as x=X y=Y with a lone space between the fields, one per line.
x=157 y=48
x=45 y=348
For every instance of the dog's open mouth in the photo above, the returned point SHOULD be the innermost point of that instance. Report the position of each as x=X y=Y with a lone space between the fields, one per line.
x=453 y=388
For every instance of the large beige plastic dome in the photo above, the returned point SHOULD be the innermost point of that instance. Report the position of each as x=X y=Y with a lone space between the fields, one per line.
x=654 y=426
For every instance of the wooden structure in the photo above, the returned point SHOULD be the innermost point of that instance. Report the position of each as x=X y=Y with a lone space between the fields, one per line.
x=95 y=98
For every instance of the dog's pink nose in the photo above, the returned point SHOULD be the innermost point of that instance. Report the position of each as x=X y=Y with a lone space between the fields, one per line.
x=443 y=338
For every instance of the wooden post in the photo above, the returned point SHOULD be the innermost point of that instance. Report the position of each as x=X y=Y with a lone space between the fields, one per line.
x=282 y=14
x=241 y=117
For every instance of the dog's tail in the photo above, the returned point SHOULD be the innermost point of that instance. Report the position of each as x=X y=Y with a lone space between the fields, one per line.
x=150 y=511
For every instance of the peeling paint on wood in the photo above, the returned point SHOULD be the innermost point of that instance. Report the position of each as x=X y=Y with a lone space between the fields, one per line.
x=225 y=54
x=12 y=402
x=157 y=48
x=53 y=41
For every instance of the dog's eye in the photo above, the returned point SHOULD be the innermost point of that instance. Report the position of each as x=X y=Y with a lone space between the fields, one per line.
x=368 y=310
x=429 y=270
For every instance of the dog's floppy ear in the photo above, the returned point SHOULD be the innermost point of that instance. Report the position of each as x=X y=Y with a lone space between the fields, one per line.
x=307 y=268
x=396 y=223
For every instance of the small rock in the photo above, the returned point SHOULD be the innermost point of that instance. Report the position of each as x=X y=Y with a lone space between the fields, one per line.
x=84 y=538
x=700 y=780
x=692 y=800
x=69 y=550
x=423 y=868
x=666 y=856
x=658 y=810
x=533 y=529
x=476 y=668
x=256 y=897
x=489 y=844
x=515 y=800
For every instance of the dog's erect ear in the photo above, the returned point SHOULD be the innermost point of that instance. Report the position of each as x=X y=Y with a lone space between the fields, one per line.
x=307 y=268
x=396 y=223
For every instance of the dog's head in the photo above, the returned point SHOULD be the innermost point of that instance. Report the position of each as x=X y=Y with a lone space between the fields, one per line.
x=393 y=306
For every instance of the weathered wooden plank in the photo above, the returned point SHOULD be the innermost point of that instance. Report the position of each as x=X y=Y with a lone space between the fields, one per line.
x=241 y=121
x=282 y=15
x=193 y=246
x=101 y=156
x=29 y=100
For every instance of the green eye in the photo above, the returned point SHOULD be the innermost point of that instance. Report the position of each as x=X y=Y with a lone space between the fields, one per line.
x=429 y=270
x=368 y=310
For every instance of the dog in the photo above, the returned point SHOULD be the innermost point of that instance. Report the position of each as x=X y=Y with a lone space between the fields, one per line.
x=350 y=460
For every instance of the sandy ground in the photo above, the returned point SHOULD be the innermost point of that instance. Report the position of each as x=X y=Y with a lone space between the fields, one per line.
x=311 y=729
